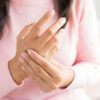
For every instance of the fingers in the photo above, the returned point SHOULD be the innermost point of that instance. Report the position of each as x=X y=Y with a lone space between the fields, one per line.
x=52 y=31
x=51 y=53
x=45 y=49
x=45 y=19
x=34 y=68
x=53 y=44
x=59 y=37
x=42 y=85
x=42 y=22
x=52 y=70
x=56 y=40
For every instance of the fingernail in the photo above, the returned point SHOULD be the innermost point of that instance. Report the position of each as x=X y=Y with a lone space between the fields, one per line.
x=63 y=20
x=30 y=52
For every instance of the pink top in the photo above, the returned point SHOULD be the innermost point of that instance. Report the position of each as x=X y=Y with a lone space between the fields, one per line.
x=80 y=45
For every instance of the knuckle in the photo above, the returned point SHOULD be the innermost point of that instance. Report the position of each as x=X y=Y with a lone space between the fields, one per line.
x=50 y=32
x=26 y=57
x=55 y=40
x=37 y=28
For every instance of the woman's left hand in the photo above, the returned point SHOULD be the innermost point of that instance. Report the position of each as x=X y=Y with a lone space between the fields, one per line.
x=49 y=75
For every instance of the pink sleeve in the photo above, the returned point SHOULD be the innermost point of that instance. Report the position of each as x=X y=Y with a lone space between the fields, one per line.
x=87 y=67
x=6 y=83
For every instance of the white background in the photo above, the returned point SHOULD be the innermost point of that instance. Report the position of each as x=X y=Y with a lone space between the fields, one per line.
x=95 y=92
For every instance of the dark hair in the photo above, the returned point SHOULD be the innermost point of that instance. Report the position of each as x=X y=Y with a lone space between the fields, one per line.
x=3 y=15
x=64 y=8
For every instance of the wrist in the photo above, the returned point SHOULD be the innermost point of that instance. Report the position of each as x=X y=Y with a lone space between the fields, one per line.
x=18 y=75
x=69 y=77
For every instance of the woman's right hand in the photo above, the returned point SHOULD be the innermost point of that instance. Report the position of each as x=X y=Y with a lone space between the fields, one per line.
x=30 y=38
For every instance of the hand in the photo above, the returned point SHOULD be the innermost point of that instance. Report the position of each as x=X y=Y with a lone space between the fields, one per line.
x=49 y=76
x=45 y=44
x=41 y=43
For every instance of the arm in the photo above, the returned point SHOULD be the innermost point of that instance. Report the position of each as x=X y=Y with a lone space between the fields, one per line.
x=7 y=84
x=87 y=67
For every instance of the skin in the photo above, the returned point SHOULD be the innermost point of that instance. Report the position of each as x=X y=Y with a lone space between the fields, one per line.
x=37 y=62
x=49 y=75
